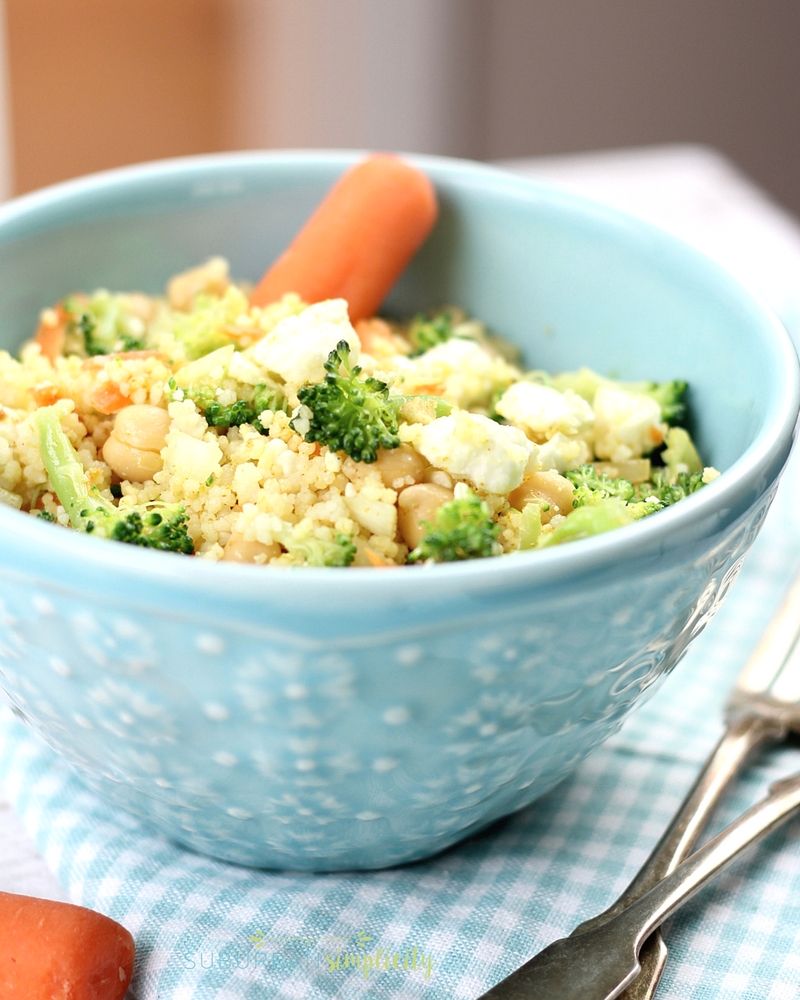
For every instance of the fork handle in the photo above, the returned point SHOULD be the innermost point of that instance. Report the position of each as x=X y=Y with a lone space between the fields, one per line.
x=599 y=964
x=726 y=760
x=743 y=735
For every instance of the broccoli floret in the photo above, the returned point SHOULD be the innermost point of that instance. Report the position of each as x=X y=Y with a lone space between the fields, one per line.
x=584 y=382
x=102 y=325
x=590 y=488
x=463 y=529
x=426 y=332
x=530 y=525
x=680 y=454
x=243 y=411
x=155 y=526
x=201 y=381
x=346 y=413
x=208 y=326
x=223 y=415
x=45 y=515
x=671 y=397
x=667 y=491
x=353 y=415
x=643 y=508
x=316 y=552
x=661 y=491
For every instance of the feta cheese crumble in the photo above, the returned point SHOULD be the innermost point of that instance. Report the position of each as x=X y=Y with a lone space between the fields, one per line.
x=626 y=425
x=298 y=346
x=543 y=411
x=493 y=456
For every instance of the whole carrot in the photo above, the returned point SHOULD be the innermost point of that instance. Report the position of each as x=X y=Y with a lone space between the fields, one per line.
x=359 y=240
x=57 y=951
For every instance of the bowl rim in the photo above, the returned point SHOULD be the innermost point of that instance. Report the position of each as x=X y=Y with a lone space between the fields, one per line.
x=772 y=441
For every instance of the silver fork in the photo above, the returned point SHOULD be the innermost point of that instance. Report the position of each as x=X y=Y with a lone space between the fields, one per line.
x=763 y=707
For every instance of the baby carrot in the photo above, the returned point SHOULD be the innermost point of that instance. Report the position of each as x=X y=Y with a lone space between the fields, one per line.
x=50 y=949
x=359 y=240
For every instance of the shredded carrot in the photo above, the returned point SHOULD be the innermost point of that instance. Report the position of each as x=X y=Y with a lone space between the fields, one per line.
x=45 y=395
x=430 y=389
x=238 y=332
x=50 y=335
x=109 y=398
x=377 y=561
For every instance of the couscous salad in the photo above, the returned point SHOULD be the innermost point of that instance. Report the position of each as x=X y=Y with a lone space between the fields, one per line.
x=287 y=425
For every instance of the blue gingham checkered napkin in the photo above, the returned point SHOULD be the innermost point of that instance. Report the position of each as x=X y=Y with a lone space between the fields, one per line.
x=453 y=926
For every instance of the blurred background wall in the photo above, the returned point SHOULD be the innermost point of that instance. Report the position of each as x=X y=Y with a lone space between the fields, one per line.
x=98 y=83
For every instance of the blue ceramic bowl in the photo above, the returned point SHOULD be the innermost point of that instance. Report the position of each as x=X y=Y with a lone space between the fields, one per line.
x=332 y=719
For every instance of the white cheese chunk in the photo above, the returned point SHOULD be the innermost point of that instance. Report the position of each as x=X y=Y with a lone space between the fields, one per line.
x=374 y=510
x=543 y=411
x=298 y=347
x=626 y=425
x=189 y=458
x=493 y=456
x=562 y=452
x=462 y=371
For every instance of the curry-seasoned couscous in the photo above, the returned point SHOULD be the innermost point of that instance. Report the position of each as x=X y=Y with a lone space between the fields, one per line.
x=283 y=435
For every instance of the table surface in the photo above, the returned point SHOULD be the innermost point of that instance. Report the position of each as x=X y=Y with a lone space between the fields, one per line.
x=691 y=191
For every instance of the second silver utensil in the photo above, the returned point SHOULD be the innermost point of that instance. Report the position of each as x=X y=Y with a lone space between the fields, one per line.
x=600 y=963
x=763 y=707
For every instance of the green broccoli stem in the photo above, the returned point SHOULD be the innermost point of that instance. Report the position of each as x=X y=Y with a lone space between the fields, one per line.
x=315 y=552
x=63 y=466
x=584 y=522
x=155 y=525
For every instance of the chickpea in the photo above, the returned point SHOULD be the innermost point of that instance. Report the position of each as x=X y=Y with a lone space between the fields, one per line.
x=240 y=550
x=551 y=487
x=133 y=448
x=440 y=477
x=134 y=464
x=143 y=426
x=400 y=467
x=416 y=504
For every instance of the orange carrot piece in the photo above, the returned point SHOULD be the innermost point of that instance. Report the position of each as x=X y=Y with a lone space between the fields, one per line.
x=359 y=240
x=50 y=949
x=50 y=336
x=429 y=389
x=45 y=395
x=377 y=560
x=109 y=398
